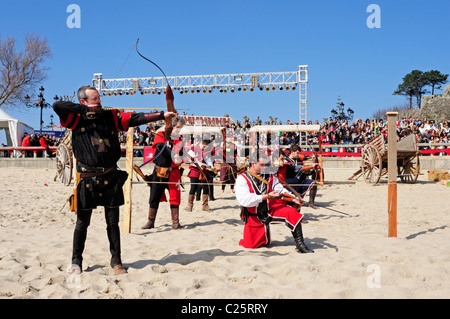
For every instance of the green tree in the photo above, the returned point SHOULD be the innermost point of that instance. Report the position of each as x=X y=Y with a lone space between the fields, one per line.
x=413 y=85
x=404 y=89
x=435 y=79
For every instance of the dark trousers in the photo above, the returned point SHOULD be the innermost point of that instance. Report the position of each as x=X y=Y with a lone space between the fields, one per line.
x=210 y=179
x=196 y=186
x=112 y=229
x=156 y=192
x=301 y=189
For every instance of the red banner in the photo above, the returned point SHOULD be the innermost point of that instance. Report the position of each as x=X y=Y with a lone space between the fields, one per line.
x=148 y=153
x=207 y=120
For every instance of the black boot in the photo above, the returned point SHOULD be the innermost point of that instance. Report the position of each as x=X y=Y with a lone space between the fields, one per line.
x=312 y=197
x=299 y=241
x=211 y=189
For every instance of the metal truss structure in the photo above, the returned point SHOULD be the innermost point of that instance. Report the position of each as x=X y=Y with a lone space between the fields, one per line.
x=269 y=81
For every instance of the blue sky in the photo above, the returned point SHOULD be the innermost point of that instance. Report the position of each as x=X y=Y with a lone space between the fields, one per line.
x=363 y=66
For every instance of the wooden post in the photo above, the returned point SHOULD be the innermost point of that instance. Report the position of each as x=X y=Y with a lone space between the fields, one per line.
x=392 y=174
x=126 y=219
x=253 y=143
x=320 y=157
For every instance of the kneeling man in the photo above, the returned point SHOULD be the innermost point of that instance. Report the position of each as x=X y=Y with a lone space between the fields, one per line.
x=261 y=198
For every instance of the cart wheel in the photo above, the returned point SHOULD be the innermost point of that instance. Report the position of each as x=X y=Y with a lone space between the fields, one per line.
x=410 y=170
x=371 y=164
x=64 y=164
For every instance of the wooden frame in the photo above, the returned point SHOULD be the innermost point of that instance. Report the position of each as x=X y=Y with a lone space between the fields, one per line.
x=289 y=128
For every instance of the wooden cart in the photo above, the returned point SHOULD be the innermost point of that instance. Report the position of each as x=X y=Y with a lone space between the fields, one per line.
x=65 y=160
x=374 y=160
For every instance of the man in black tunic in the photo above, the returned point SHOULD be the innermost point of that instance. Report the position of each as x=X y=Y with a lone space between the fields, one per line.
x=96 y=147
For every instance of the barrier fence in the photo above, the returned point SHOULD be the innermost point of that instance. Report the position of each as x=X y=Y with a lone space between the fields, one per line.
x=328 y=150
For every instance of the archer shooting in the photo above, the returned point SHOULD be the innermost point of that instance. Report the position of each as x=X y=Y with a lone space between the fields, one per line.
x=97 y=150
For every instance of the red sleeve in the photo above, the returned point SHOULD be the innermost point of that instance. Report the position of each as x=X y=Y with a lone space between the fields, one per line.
x=124 y=119
x=159 y=138
x=71 y=121
x=121 y=119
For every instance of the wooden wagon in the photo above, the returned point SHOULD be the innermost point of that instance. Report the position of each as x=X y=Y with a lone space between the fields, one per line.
x=65 y=160
x=375 y=158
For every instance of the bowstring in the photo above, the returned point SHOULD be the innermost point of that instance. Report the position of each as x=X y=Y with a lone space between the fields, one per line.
x=137 y=41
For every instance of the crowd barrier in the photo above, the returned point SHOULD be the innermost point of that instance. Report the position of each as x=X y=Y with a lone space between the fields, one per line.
x=336 y=150
x=21 y=151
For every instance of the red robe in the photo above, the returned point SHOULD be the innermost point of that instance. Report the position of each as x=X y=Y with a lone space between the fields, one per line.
x=175 y=175
x=193 y=169
x=256 y=233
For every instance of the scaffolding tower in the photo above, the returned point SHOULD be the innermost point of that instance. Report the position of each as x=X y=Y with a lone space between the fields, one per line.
x=267 y=81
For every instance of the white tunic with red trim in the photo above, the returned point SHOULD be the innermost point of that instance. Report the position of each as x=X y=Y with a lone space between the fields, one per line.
x=249 y=191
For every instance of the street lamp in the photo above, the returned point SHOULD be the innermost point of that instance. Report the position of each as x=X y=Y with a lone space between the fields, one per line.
x=50 y=125
x=40 y=103
x=339 y=114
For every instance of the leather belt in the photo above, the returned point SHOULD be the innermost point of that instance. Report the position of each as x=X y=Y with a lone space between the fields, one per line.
x=169 y=169
x=94 y=171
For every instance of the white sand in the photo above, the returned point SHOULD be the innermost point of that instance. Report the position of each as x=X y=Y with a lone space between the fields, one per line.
x=204 y=260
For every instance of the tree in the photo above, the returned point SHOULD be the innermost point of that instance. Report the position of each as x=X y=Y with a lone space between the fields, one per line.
x=381 y=113
x=404 y=89
x=413 y=85
x=435 y=79
x=21 y=71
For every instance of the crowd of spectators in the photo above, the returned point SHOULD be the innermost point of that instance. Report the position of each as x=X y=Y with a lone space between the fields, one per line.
x=337 y=136
x=35 y=141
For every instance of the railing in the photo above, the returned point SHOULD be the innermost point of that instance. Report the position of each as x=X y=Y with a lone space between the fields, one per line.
x=340 y=150
x=328 y=150
x=22 y=151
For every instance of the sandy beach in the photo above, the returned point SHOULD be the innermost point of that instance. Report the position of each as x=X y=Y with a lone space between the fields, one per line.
x=353 y=256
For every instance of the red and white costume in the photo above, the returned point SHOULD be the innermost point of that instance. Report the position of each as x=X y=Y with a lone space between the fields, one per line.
x=174 y=146
x=203 y=159
x=249 y=191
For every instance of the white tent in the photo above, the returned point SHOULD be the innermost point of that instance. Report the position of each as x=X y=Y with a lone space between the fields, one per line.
x=14 y=129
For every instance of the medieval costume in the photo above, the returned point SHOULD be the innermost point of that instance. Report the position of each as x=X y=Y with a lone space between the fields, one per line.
x=258 y=214
x=210 y=152
x=96 y=147
x=228 y=169
x=297 y=175
x=198 y=174
x=166 y=175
